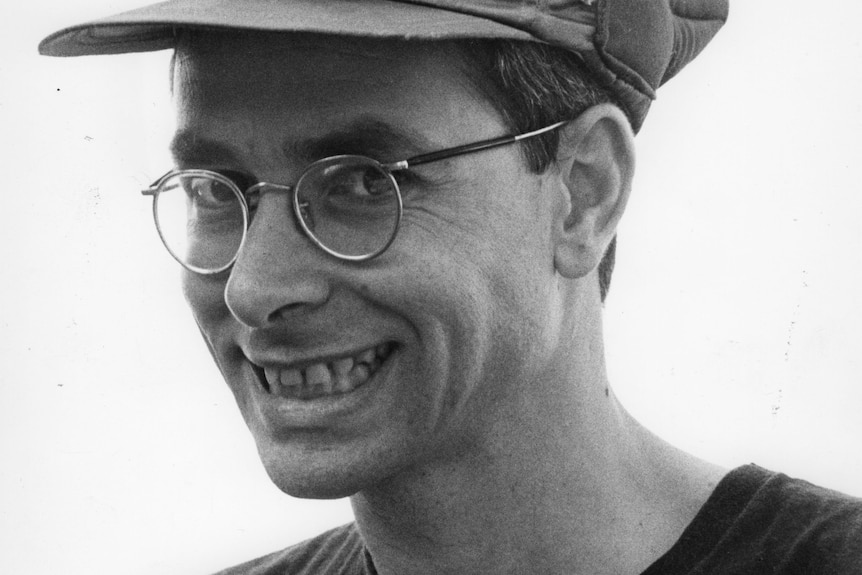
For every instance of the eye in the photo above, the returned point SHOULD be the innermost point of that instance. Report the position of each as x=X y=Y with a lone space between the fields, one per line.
x=207 y=192
x=405 y=178
x=376 y=183
x=243 y=181
x=355 y=182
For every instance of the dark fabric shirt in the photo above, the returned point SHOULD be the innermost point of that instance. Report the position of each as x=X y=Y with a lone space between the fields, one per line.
x=756 y=522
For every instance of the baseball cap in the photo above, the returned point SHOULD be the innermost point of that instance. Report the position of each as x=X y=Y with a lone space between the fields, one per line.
x=631 y=46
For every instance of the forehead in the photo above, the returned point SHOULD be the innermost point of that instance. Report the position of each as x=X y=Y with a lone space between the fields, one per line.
x=310 y=83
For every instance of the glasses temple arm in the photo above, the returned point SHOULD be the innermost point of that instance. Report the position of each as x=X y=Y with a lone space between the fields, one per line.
x=151 y=191
x=470 y=148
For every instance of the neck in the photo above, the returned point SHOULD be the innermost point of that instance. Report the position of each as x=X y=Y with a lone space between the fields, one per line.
x=567 y=484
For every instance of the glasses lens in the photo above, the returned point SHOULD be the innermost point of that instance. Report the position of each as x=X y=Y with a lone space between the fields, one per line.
x=350 y=204
x=201 y=220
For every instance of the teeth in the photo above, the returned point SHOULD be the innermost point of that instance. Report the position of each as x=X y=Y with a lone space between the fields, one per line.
x=342 y=366
x=341 y=370
x=320 y=379
x=318 y=375
x=342 y=384
x=272 y=378
x=291 y=378
x=366 y=356
x=360 y=374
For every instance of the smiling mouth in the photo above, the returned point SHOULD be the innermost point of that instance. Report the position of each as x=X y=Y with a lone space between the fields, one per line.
x=324 y=379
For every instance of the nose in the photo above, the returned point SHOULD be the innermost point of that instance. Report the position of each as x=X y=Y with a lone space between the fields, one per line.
x=278 y=272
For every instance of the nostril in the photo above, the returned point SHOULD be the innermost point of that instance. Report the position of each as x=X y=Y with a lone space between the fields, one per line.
x=286 y=311
x=261 y=291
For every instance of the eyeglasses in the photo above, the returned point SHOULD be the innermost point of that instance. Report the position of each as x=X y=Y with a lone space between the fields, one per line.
x=349 y=206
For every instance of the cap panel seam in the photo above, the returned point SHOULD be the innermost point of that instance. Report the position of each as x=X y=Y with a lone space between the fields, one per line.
x=619 y=69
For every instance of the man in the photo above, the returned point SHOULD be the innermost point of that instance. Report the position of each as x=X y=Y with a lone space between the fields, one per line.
x=397 y=225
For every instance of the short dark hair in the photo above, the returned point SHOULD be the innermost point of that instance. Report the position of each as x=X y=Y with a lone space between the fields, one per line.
x=533 y=85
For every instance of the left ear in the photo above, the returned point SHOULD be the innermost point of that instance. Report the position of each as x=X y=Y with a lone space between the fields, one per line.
x=596 y=162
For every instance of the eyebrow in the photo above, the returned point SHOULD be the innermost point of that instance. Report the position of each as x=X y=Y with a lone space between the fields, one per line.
x=365 y=136
x=189 y=148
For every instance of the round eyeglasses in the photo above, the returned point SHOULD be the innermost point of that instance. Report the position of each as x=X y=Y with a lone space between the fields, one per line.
x=349 y=206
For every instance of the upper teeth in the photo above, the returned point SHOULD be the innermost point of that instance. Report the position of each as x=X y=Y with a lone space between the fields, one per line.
x=338 y=376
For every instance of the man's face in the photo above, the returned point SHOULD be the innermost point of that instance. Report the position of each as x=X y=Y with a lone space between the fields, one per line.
x=454 y=324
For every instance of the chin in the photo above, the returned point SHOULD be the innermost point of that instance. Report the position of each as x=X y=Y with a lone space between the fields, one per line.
x=327 y=475
x=302 y=488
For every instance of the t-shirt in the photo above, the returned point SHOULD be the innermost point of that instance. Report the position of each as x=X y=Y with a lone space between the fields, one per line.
x=755 y=522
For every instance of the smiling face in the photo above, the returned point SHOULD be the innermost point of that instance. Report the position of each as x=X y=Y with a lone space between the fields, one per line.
x=350 y=373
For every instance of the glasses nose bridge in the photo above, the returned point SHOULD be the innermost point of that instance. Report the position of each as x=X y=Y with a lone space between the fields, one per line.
x=263 y=188
x=260 y=187
x=297 y=212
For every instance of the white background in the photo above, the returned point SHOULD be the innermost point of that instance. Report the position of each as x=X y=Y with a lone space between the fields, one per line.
x=733 y=324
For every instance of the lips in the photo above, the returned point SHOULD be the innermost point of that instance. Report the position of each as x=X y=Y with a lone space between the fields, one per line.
x=323 y=379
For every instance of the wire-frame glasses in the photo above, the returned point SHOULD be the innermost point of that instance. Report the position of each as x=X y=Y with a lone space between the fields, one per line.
x=350 y=206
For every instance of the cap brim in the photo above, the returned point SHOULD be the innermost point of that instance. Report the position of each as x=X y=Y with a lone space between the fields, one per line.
x=154 y=27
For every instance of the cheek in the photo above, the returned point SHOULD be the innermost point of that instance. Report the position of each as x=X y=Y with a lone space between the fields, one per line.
x=515 y=264
x=482 y=266
x=205 y=296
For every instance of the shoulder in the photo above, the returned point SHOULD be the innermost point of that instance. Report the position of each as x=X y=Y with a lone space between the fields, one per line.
x=339 y=551
x=817 y=528
x=761 y=522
